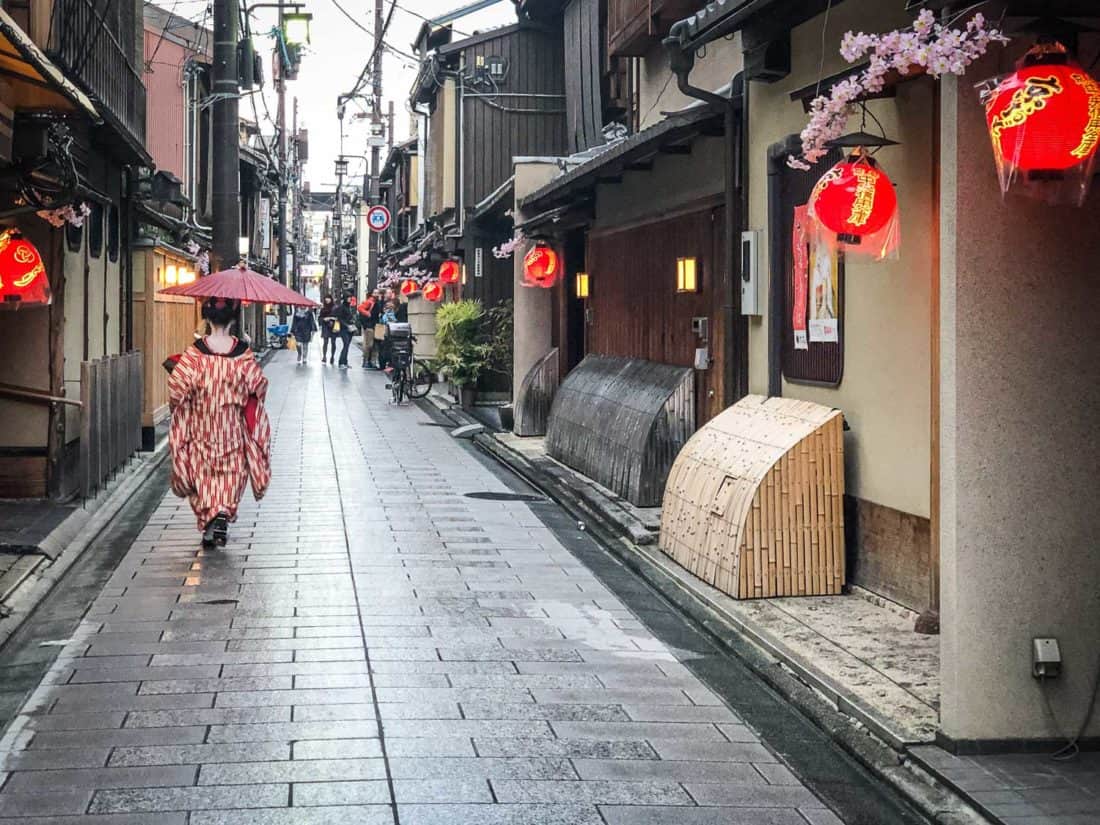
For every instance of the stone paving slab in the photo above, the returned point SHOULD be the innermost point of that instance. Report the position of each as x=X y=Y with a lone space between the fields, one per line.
x=374 y=647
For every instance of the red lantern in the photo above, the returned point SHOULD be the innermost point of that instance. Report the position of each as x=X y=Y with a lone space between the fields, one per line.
x=854 y=199
x=23 y=279
x=409 y=286
x=1045 y=117
x=433 y=291
x=450 y=272
x=540 y=266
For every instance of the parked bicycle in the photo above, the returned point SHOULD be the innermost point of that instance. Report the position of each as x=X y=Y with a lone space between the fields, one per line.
x=278 y=336
x=411 y=378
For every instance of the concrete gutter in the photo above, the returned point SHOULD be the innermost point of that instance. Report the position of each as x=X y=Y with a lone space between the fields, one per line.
x=68 y=541
x=881 y=752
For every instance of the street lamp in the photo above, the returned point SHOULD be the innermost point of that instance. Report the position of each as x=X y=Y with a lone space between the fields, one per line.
x=341 y=166
x=296 y=27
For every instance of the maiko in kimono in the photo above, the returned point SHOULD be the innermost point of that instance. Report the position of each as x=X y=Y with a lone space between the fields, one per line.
x=220 y=437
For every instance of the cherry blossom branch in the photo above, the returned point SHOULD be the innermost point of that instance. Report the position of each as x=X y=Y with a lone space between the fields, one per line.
x=71 y=214
x=508 y=248
x=927 y=46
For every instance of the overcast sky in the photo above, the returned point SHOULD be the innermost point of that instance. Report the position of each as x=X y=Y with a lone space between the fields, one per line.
x=337 y=54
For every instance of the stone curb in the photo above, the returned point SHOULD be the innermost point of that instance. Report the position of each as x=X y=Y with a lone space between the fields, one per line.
x=68 y=541
x=901 y=771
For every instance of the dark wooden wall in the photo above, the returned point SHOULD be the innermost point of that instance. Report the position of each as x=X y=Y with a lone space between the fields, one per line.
x=492 y=136
x=635 y=308
x=583 y=81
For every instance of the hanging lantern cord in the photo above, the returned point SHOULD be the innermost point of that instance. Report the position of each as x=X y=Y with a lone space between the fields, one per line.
x=863 y=126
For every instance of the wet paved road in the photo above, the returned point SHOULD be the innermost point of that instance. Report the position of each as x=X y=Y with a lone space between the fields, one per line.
x=376 y=647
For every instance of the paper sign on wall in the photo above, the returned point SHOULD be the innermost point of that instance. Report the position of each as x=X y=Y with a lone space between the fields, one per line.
x=800 y=258
x=824 y=292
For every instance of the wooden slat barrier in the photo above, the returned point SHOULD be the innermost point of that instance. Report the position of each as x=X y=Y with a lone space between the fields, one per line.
x=755 y=502
x=536 y=395
x=110 y=420
x=621 y=422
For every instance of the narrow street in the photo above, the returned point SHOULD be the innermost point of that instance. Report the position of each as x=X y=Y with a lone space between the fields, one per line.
x=390 y=637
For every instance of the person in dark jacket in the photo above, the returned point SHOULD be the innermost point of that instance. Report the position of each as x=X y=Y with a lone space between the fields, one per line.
x=302 y=328
x=346 y=317
x=328 y=334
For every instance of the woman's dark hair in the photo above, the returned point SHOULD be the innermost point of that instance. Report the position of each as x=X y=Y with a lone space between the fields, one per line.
x=327 y=299
x=220 y=312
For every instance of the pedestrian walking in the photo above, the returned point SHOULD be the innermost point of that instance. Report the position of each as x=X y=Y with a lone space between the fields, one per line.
x=219 y=436
x=365 y=308
x=346 y=318
x=377 y=332
x=328 y=329
x=302 y=328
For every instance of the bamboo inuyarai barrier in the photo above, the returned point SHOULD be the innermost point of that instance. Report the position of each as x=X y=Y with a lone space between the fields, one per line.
x=754 y=504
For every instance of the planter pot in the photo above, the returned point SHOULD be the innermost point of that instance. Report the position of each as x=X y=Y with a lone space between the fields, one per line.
x=468 y=395
x=507 y=418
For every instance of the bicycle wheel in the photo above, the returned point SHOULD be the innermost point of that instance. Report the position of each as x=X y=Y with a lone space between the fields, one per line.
x=421 y=381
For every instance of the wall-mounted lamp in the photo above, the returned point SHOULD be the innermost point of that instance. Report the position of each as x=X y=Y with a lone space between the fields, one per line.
x=186 y=275
x=687 y=275
x=582 y=285
x=171 y=275
x=464 y=274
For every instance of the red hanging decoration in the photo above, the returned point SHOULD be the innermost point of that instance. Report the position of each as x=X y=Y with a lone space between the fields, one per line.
x=854 y=199
x=450 y=272
x=23 y=279
x=541 y=266
x=409 y=286
x=433 y=291
x=1045 y=117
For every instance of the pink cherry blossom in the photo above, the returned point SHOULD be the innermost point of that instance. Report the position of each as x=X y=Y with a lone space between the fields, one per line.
x=930 y=46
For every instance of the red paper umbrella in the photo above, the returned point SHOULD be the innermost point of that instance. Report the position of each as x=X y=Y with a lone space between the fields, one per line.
x=241 y=284
x=409 y=286
x=1045 y=117
x=23 y=280
x=450 y=272
x=854 y=199
x=540 y=266
x=433 y=291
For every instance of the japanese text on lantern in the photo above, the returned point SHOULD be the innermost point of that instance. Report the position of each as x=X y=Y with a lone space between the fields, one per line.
x=1025 y=102
x=1091 y=135
x=864 y=203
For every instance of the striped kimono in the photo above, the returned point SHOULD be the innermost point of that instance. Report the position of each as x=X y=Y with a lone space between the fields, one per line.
x=216 y=445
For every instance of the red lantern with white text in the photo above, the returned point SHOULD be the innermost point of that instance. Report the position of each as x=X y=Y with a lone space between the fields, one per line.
x=409 y=286
x=23 y=279
x=433 y=291
x=855 y=199
x=450 y=272
x=541 y=266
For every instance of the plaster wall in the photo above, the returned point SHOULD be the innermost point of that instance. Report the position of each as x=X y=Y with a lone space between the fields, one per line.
x=657 y=90
x=533 y=308
x=673 y=182
x=1020 y=390
x=885 y=391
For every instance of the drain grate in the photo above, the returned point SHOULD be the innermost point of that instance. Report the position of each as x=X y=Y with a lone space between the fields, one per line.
x=490 y=496
x=221 y=601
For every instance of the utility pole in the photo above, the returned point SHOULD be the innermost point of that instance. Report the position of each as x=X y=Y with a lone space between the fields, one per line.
x=376 y=150
x=226 y=200
x=338 y=231
x=281 y=137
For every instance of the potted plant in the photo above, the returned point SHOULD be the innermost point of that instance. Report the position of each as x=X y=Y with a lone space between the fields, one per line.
x=461 y=353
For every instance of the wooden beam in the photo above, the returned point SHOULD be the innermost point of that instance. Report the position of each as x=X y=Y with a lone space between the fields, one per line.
x=676 y=149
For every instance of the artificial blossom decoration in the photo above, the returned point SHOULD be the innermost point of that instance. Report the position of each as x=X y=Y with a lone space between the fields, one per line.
x=508 y=248
x=411 y=259
x=72 y=214
x=928 y=46
x=202 y=257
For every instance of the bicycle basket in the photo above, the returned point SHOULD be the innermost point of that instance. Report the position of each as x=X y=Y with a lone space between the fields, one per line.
x=398 y=331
